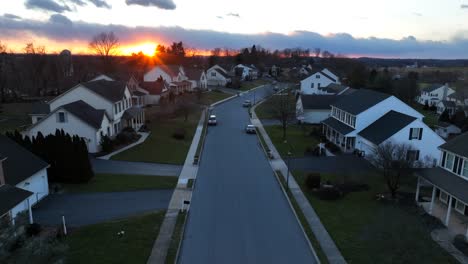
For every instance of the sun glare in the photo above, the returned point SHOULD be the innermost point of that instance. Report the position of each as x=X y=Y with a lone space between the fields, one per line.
x=148 y=48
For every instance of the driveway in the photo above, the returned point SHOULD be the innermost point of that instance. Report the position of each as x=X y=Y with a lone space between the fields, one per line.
x=91 y=208
x=140 y=168
x=336 y=164
x=238 y=211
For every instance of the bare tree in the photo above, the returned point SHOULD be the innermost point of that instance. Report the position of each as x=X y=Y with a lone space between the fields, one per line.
x=3 y=71
x=106 y=45
x=283 y=108
x=37 y=70
x=185 y=106
x=317 y=52
x=394 y=160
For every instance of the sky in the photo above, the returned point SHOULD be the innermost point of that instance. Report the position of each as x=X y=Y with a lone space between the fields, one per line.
x=374 y=28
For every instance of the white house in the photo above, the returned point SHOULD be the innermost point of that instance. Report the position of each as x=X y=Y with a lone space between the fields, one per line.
x=313 y=109
x=217 y=76
x=445 y=130
x=246 y=72
x=460 y=97
x=23 y=179
x=365 y=119
x=434 y=93
x=198 y=78
x=169 y=73
x=91 y=110
x=449 y=182
x=448 y=106
x=156 y=90
x=317 y=83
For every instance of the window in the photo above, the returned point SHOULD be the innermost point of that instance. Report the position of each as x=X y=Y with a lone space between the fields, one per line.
x=449 y=162
x=61 y=118
x=120 y=106
x=460 y=207
x=415 y=133
x=412 y=155
x=443 y=196
x=353 y=121
x=317 y=76
x=464 y=172
x=108 y=131
x=115 y=109
x=318 y=85
x=213 y=74
x=312 y=85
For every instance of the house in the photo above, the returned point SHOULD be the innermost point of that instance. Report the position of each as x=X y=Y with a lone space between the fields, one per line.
x=172 y=74
x=198 y=79
x=156 y=91
x=217 y=76
x=138 y=94
x=448 y=106
x=445 y=130
x=364 y=119
x=313 y=109
x=460 y=97
x=23 y=179
x=449 y=183
x=434 y=93
x=91 y=110
x=316 y=83
x=245 y=72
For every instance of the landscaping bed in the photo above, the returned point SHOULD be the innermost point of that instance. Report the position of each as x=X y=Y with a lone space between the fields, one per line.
x=101 y=243
x=367 y=230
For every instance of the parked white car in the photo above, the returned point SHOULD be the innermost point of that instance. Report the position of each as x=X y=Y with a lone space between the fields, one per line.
x=212 y=120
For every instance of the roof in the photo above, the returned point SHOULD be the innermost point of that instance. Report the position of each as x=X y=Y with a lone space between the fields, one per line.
x=225 y=75
x=328 y=76
x=194 y=74
x=360 y=100
x=138 y=93
x=172 y=70
x=432 y=87
x=458 y=145
x=40 y=108
x=318 y=101
x=20 y=163
x=111 y=90
x=444 y=124
x=338 y=126
x=154 y=88
x=132 y=112
x=86 y=113
x=447 y=181
x=11 y=196
x=386 y=126
x=333 y=88
x=449 y=103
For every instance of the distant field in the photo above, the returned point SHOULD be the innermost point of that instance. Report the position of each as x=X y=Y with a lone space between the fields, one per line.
x=430 y=69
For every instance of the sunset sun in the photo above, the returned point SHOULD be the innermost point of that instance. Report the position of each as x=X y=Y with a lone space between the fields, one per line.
x=148 y=48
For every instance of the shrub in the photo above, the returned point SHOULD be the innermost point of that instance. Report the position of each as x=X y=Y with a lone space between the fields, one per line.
x=179 y=134
x=127 y=135
x=33 y=229
x=313 y=181
x=426 y=106
x=329 y=194
x=460 y=243
x=433 y=108
x=106 y=144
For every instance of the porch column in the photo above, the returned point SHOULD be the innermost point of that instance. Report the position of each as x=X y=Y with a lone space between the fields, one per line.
x=31 y=220
x=431 y=207
x=416 y=198
x=449 y=211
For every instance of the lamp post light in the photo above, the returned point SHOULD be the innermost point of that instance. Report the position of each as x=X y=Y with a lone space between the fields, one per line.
x=287 y=177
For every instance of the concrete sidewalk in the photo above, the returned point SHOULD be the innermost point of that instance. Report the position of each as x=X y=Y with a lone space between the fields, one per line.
x=326 y=242
x=142 y=139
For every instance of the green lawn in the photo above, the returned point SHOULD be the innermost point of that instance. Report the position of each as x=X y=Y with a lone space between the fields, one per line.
x=248 y=85
x=160 y=146
x=14 y=116
x=175 y=240
x=368 y=231
x=431 y=118
x=298 y=139
x=122 y=182
x=209 y=98
x=263 y=111
x=100 y=243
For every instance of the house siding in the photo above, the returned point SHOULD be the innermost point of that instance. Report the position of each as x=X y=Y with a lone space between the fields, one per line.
x=38 y=185
x=307 y=82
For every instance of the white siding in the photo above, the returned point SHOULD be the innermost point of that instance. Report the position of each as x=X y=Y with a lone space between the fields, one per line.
x=306 y=84
x=155 y=73
x=315 y=116
x=38 y=185
x=215 y=78
x=435 y=96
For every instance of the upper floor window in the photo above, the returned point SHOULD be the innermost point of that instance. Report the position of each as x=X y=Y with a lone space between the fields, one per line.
x=318 y=85
x=61 y=117
x=464 y=172
x=213 y=74
x=415 y=133
x=317 y=76
x=312 y=85
x=450 y=160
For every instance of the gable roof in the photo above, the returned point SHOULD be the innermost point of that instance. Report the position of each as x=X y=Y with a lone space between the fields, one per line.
x=386 y=126
x=194 y=74
x=154 y=88
x=11 y=196
x=432 y=87
x=339 y=126
x=334 y=88
x=225 y=75
x=40 y=108
x=172 y=70
x=86 y=113
x=113 y=91
x=360 y=100
x=445 y=124
x=448 y=103
x=458 y=145
x=317 y=101
x=20 y=164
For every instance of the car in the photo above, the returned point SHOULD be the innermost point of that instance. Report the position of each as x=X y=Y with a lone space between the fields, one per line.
x=276 y=88
x=250 y=129
x=247 y=103
x=212 y=120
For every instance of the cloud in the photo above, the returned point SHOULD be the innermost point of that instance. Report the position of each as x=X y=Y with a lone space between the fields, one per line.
x=163 y=4
x=220 y=17
x=233 y=15
x=47 y=5
x=417 y=14
x=11 y=16
x=61 y=30
x=464 y=6
x=97 y=3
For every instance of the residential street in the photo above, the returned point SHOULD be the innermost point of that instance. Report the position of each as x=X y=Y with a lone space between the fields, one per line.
x=91 y=208
x=139 y=168
x=238 y=212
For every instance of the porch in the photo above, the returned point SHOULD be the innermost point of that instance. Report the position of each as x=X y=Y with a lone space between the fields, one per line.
x=338 y=133
x=134 y=117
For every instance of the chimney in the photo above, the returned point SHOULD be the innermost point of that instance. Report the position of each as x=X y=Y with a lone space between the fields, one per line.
x=2 y=174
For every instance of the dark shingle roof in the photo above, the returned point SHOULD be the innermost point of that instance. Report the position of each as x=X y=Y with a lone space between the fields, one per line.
x=225 y=75
x=458 y=145
x=333 y=88
x=154 y=88
x=86 y=113
x=360 y=100
x=432 y=87
x=338 y=126
x=318 y=101
x=132 y=112
x=20 y=164
x=449 y=103
x=193 y=74
x=449 y=182
x=40 y=108
x=10 y=197
x=111 y=90
x=386 y=126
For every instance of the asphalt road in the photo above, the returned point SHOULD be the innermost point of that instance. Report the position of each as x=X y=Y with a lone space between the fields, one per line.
x=238 y=212
x=138 y=168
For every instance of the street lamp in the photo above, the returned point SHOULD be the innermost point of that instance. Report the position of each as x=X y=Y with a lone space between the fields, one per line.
x=287 y=177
